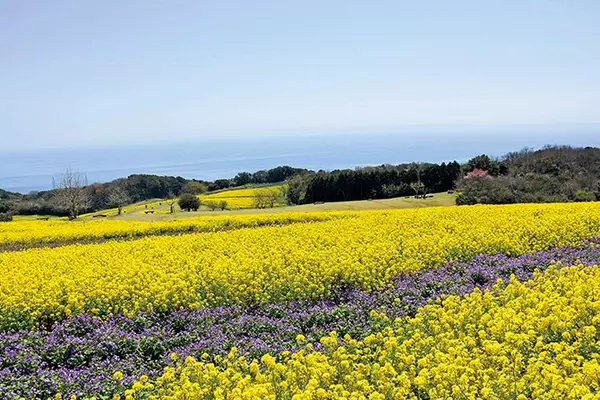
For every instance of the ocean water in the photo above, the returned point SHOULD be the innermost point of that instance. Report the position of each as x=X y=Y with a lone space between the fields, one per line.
x=33 y=170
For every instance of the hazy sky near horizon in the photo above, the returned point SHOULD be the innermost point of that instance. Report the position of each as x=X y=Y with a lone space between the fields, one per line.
x=85 y=73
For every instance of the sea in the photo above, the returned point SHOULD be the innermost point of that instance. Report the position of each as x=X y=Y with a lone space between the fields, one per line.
x=27 y=171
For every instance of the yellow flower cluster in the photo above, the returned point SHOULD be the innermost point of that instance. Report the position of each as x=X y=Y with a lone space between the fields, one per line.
x=245 y=198
x=161 y=204
x=31 y=231
x=534 y=340
x=276 y=263
x=248 y=192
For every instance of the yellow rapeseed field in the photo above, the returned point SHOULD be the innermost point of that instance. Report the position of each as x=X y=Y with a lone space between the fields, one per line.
x=245 y=198
x=32 y=232
x=276 y=263
x=534 y=340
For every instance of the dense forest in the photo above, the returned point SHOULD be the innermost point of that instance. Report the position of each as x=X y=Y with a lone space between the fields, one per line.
x=551 y=174
x=373 y=182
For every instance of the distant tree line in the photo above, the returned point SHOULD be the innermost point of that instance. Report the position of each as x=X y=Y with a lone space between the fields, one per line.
x=384 y=181
x=72 y=198
x=262 y=177
x=552 y=174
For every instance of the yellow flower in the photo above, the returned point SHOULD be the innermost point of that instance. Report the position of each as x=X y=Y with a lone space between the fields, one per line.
x=453 y=362
x=281 y=258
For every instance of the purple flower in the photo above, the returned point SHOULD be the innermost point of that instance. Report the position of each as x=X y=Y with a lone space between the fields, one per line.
x=79 y=355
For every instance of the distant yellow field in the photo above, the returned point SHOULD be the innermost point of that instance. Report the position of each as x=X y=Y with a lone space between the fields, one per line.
x=246 y=198
x=132 y=208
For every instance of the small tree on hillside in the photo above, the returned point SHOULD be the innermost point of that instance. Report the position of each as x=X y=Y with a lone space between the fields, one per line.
x=71 y=193
x=118 y=197
x=418 y=186
x=172 y=200
x=212 y=205
x=223 y=204
x=189 y=202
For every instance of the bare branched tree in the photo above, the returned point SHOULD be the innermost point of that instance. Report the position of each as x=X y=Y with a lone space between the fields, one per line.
x=418 y=186
x=171 y=200
x=71 y=192
x=118 y=197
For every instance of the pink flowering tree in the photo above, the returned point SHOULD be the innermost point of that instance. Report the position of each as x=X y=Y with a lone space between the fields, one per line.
x=474 y=187
x=477 y=174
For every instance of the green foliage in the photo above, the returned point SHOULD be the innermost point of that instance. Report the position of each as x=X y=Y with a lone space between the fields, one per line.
x=372 y=182
x=484 y=162
x=582 y=195
x=195 y=187
x=243 y=178
x=485 y=190
x=481 y=161
x=274 y=175
x=6 y=217
x=189 y=202
x=6 y=195
x=220 y=184
x=211 y=204
x=296 y=190
x=6 y=206
x=552 y=174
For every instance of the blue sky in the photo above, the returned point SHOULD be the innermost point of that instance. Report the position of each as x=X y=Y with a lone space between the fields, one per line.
x=85 y=73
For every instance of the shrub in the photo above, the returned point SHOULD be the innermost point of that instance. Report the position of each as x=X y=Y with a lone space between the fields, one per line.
x=6 y=206
x=466 y=199
x=189 y=202
x=582 y=195
x=223 y=204
x=213 y=205
x=5 y=217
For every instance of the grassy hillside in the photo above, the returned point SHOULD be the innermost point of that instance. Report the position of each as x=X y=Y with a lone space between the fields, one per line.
x=238 y=198
x=245 y=198
x=438 y=200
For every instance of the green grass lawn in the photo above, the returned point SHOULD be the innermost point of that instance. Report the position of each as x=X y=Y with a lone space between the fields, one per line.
x=438 y=199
